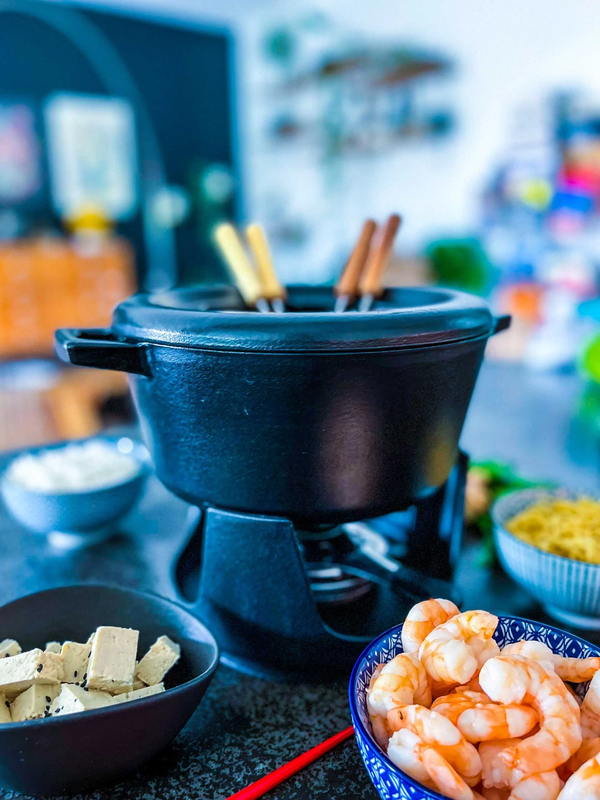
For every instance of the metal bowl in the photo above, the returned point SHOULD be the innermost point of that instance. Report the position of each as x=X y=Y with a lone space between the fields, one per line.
x=569 y=590
x=57 y=756
x=87 y=514
x=389 y=780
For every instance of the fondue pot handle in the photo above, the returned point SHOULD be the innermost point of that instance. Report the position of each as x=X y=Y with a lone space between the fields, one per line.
x=97 y=347
x=501 y=324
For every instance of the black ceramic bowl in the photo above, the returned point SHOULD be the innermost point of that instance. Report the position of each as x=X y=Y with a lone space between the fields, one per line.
x=80 y=751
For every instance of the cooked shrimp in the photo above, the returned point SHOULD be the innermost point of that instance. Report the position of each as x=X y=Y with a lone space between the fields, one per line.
x=583 y=784
x=435 y=730
x=439 y=689
x=538 y=786
x=590 y=710
x=375 y=675
x=495 y=794
x=483 y=650
x=576 y=670
x=515 y=679
x=589 y=748
x=402 y=681
x=494 y=772
x=447 y=779
x=497 y=776
x=422 y=619
x=450 y=652
x=590 y=728
x=480 y=720
x=423 y=763
x=405 y=751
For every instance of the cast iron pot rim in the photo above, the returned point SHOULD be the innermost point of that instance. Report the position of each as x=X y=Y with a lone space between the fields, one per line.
x=331 y=352
x=455 y=317
x=71 y=719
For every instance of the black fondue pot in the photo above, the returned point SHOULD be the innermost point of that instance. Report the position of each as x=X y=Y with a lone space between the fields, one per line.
x=311 y=415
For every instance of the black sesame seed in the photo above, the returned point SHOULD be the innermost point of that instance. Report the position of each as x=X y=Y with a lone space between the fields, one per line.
x=40 y=667
x=6 y=655
x=75 y=673
x=48 y=699
x=85 y=677
x=7 y=704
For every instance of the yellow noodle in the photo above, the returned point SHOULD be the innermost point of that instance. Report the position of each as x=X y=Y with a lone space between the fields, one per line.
x=569 y=528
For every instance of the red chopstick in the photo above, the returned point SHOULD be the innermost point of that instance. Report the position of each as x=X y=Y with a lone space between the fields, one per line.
x=263 y=785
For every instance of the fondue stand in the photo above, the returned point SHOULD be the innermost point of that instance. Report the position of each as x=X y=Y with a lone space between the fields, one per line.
x=286 y=432
x=305 y=603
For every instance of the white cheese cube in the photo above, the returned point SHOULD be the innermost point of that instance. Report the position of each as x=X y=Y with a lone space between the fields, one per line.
x=112 y=660
x=153 y=667
x=35 y=702
x=34 y=666
x=91 y=639
x=4 y=710
x=53 y=647
x=9 y=647
x=137 y=694
x=76 y=659
x=73 y=699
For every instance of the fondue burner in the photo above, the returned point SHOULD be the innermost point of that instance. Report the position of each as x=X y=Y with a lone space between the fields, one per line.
x=304 y=604
x=286 y=431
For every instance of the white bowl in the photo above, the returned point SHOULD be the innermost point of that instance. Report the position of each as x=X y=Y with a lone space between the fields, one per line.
x=80 y=516
x=568 y=589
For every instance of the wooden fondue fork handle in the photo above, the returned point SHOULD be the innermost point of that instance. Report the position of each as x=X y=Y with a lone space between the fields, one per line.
x=240 y=266
x=371 y=280
x=347 y=287
x=272 y=289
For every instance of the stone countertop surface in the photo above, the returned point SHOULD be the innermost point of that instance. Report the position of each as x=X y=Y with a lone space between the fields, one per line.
x=246 y=726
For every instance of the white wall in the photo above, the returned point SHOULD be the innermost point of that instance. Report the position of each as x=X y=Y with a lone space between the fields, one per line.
x=508 y=53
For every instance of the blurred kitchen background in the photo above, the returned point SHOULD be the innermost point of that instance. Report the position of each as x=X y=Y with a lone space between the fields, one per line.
x=130 y=128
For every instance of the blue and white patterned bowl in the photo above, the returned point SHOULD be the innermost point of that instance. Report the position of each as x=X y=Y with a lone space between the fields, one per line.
x=569 y=590
x=388 y=779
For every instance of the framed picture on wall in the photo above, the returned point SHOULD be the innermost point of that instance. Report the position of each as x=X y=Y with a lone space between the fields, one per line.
x=92 y=154
x=21 y=161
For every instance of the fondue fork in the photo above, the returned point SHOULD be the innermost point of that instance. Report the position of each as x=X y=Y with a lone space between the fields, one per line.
x=239 y=264
x=346 y=288
x=370 y=286
x=272 y=289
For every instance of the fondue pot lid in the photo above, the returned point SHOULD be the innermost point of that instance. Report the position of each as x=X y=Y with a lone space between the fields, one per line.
x=214 y=317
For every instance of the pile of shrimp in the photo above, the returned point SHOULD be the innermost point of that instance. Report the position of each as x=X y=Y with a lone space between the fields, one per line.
x=472 y=721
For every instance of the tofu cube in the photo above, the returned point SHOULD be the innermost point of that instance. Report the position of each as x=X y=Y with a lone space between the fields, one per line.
x=137 y=694
x=20 y=672
x=112 y=660
x=53 y=647
x=73 y=699
x=76 y=658
x=153 y=667
x=9 y=647
x=4 y=710
x=34 y=703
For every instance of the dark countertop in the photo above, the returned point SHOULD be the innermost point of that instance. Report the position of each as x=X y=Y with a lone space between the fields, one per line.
x=246 y=727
